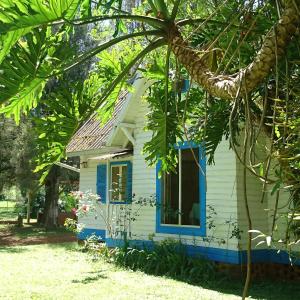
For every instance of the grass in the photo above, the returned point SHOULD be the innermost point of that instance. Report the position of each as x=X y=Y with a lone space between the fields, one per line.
x=35 y=230
x=60 y=271
x=7 y=210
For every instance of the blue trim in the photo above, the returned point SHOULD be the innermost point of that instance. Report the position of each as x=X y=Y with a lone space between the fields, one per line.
x=101 y=182
x=183 y=230
x=87 y=232
x=217 y=254
x=185 y=86
x=128 y=180
x=120 y=162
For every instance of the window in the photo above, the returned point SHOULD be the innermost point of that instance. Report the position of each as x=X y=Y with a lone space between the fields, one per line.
x=120 y=182
x=181 y=192
x=181 y=195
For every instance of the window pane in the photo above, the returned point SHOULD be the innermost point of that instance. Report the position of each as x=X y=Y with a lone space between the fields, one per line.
x=171 y=198
x=115 y=183
x=118 y=183
x=123 y=193
x=190 y=187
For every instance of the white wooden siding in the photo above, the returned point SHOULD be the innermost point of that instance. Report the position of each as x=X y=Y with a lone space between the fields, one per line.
x=221 y=191
x=88 y=178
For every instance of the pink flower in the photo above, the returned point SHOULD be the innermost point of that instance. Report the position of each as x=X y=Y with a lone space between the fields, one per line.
x=85 y=208
x=74 y=211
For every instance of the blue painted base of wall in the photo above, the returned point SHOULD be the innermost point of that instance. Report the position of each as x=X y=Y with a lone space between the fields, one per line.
x=87 y=232
x=215 y=254
x=219 y=255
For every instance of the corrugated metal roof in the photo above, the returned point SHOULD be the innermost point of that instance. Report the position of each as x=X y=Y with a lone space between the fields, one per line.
x=92 y=135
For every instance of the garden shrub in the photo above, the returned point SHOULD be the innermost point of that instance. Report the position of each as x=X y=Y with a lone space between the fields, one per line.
x=167 y=258
x=37 y=205
x=67 y=202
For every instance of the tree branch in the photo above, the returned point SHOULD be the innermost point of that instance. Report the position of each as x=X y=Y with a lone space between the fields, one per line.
x=227 y=86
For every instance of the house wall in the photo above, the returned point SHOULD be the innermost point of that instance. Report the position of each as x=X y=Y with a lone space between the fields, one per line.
x=261 y=210
x=221 y=200
x=220 y=194
x=88 y=177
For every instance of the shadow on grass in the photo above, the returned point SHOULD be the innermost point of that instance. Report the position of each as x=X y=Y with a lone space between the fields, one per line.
x=36 y=230
x=97 y=275
x=258 y=290
x=67 y=246
x=33 y=230
x=8 y=214
x=269 y=290
x=8 y=249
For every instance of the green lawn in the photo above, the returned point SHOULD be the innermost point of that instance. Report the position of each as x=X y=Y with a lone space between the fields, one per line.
x=60 y=271
x=7 y=210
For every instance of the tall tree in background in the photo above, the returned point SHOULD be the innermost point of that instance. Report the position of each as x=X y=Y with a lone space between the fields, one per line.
x=55 y=119
x=23 y=156
x=8 y=132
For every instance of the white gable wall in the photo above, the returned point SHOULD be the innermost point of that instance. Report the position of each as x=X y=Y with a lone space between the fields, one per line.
x=221 y=193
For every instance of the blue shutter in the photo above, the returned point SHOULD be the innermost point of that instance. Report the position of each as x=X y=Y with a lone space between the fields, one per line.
x=129 y=182
x=101 y=182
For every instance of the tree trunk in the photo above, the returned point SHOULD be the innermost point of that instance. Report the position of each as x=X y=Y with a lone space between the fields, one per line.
x=28 y=196
x=51 y=198
x=230 y=86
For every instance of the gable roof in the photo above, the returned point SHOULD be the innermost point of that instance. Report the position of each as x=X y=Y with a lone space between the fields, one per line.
x=91 y=135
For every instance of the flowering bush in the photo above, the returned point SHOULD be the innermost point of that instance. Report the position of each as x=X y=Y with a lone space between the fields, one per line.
x=67 y=203
x=85 y=203
x=117 y=219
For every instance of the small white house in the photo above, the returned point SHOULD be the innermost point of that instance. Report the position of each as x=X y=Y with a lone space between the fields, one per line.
x=206 y=208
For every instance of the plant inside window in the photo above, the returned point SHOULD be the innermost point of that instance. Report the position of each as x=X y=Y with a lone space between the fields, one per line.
x=118 y=183
x=181 y=191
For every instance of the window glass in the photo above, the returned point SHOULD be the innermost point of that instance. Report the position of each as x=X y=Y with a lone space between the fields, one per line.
x=190 y=187
x=118 y=183
x=115 y=183
x=123 y=193
x=181 y=203
x=170 y=213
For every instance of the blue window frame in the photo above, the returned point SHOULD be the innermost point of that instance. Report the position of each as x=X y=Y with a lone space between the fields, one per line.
x=120 y=182
x=192 y=230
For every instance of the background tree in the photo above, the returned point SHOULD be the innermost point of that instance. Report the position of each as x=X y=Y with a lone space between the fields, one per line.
x=22 y=157
x=8 y=133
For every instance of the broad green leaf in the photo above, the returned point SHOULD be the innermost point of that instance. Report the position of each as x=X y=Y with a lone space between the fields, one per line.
x=19 y=17
x=19 y=14
x=8 y=40
x=25 y=100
